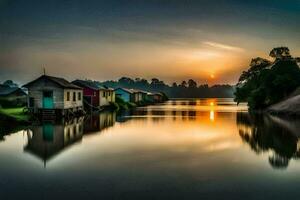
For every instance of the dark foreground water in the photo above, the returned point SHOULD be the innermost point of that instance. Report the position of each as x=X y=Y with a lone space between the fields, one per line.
x=182 y=149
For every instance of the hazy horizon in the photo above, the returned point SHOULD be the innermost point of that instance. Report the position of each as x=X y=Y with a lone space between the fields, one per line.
x=208 y=41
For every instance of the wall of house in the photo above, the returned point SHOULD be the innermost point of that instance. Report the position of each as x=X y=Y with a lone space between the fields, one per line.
x=60 y=101
x=71 y=103
x=123 y=94
x=106 y=96
x=138 y=97
x=93 y=94
x=36 y=90
x=113 y=96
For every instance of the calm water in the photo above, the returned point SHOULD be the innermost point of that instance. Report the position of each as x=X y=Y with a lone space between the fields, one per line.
x=182 y=149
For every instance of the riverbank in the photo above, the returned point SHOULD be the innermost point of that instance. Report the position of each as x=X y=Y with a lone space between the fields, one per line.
x=120 y=104
x=290 y=106
x=18 y=115
x=14 y=115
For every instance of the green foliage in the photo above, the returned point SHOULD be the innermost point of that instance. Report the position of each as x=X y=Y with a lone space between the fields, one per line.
x=122 y=105
x=280 y=53
x=164 y=97
x=114 y=106
x=266 y=83
x=4 y=103
x=17 y=113
x=185 y=89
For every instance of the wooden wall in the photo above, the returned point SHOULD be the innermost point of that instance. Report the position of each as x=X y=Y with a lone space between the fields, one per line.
x=107 y=98
x=71 y=103
x=36 y=91
x=59 y=95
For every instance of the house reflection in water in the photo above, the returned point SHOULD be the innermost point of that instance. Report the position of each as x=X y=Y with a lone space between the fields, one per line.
x=277 y=136
x=49 y=139
x=97 y=122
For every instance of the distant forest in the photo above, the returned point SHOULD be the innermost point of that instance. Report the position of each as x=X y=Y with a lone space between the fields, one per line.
x=186 y=89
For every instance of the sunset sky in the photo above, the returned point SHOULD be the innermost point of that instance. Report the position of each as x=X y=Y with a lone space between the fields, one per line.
x=207 y=40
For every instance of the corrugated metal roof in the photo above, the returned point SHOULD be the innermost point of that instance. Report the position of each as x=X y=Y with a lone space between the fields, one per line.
x=60 y=81
x=131 y=91
x=90 y=84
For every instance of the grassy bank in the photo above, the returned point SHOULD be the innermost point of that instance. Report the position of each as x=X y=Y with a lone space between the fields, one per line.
x=120 y=104
x=14 y=114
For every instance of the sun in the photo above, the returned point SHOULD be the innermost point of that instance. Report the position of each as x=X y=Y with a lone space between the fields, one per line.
x=212 y=76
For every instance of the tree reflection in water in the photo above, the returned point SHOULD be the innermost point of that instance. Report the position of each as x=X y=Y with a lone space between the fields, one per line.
x=265 y=133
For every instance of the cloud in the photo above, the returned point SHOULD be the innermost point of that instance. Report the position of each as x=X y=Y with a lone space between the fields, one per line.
x=223 y=46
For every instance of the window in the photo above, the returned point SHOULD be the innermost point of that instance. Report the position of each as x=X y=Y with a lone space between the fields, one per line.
x=31 y=102
x=48 y=94
x=74 y=96
x=103 y=94
x=79 y=96
x=94 y=94
x=108 y=93
x=68 y=96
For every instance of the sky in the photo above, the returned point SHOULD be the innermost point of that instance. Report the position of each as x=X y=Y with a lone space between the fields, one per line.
x=210 y=41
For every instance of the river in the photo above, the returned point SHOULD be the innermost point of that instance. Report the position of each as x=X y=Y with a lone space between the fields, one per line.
x=180 y=149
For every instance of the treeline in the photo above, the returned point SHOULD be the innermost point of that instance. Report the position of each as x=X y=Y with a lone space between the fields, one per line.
x=267 y=82
x=185 y=89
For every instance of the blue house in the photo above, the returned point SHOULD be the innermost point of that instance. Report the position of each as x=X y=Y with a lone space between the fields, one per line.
x=125 y=94
x=131 y=95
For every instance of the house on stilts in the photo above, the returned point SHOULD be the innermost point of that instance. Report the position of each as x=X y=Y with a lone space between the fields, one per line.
x=95 y=96
x=131 y=95
x=49 y=95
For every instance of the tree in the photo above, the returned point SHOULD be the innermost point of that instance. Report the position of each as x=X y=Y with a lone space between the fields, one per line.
x=142 y=83
x=298 y=60
x=126 y=81
x=155 y=81
x=175 y=90
x=266 y=83
x=183 y=84
x=256 y=65
x=10 y=83
x=280 y=53
x=192 y=83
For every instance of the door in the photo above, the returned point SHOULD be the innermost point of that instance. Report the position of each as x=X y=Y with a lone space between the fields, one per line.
x=31 y=102
x=48 y=100
x=48 y=132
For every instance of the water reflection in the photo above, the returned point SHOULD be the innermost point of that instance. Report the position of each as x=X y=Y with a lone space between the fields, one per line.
x=181 y=149
x=8 y=128
x=273 y=135
x=50 y=138
x=184 y=110
x=97 y=122
x=264 y=134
